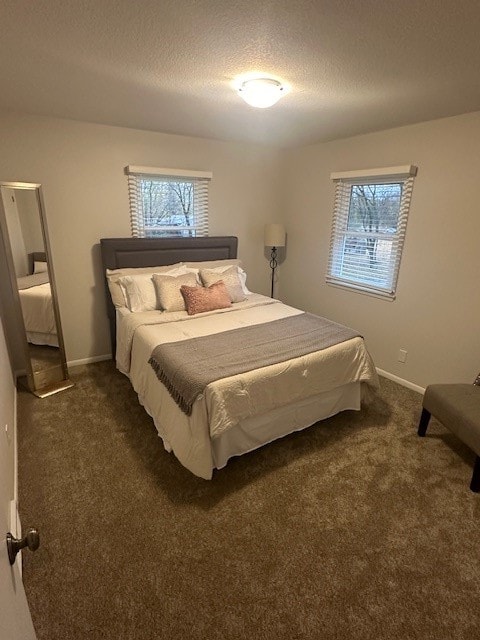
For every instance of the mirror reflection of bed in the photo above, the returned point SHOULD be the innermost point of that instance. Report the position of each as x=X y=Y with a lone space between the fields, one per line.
x=36 y=301
x=38 y=315
x=31 y=274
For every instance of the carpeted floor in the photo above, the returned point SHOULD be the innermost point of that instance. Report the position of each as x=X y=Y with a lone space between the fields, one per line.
x=352 y=529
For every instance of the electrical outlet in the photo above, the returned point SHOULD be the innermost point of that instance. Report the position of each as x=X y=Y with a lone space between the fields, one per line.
x=402 y=355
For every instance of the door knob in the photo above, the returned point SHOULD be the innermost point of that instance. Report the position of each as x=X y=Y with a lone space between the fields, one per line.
x=14 y=545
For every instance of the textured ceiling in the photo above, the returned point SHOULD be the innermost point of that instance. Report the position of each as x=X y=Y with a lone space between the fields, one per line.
x=162 y=65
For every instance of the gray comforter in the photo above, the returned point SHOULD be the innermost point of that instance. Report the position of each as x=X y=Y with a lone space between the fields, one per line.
x=34 y=280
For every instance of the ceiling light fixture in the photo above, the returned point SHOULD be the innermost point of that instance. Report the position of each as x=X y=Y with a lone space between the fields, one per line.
x=261 y=92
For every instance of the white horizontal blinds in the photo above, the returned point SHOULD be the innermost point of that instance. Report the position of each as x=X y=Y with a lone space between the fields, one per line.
x=201 y=206
x=368 y=230
x=339 y=225
x=168 y=202
x=135 y=198
x=402 y=227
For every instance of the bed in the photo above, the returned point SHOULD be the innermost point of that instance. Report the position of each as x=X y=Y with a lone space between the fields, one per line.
x=36 y=302
x=244 y=410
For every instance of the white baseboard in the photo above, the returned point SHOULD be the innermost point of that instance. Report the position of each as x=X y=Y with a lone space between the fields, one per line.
x=398 y=380
x=77 y=363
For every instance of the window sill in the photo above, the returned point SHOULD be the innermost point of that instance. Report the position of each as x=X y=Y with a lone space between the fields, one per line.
x=358 y=289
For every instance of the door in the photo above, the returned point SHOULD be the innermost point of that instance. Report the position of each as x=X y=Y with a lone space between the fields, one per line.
x=15 y=619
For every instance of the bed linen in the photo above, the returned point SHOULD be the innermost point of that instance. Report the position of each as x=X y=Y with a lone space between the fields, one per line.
x=37 y=310
x=242 y=412
x=187 y=367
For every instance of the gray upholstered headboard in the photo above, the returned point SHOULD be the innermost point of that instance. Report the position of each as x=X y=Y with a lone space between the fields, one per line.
x=155 y=252
x=41 y=256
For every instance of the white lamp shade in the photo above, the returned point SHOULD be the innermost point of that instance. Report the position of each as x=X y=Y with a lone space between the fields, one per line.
x=274 y=235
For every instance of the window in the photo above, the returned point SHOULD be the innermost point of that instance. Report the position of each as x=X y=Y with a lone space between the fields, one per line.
x=368 y=231
x=168 y=202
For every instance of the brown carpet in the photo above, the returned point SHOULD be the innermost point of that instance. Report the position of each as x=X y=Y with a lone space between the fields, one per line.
x=352 y=529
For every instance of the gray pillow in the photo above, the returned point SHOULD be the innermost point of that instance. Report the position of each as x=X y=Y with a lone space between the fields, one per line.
x=169 y=295
x=230 y=278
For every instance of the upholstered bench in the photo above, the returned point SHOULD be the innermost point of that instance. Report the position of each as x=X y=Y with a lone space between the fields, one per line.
x=457 y=407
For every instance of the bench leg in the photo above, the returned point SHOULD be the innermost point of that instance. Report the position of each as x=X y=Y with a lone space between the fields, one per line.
x=475 y=483
x=424 y=420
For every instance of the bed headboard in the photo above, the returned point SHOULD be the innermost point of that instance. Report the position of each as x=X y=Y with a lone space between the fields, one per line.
x=39 y=256
x=156 y=252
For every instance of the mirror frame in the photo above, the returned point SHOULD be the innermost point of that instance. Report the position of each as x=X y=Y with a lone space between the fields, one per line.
x=40 y=391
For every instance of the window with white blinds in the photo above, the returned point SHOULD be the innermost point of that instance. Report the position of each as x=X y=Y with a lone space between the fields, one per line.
x=368 y=231
x=168 y=202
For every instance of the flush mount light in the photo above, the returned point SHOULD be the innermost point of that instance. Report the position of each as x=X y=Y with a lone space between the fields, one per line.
x=261 y=92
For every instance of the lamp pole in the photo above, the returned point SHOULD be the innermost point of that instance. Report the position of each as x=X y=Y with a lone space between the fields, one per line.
x=274 y=236
x=273 y=266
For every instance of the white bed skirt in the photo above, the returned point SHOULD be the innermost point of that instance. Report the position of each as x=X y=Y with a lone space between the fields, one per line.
x=48 y=339
x=259 y=430
x=252 y=433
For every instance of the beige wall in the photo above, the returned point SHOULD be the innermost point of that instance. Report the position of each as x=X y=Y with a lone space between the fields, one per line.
x=435 y=316
x=81 y=167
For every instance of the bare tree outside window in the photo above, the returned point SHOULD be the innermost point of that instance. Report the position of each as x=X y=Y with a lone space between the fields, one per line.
x=168 y=204
x=369 y=223
x=374 y=212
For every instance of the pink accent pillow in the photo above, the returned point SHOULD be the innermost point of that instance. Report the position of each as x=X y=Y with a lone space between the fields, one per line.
x=201 y=299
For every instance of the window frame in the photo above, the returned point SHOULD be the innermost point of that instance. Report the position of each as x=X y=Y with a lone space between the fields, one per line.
x=344 y=183
x=199 y=179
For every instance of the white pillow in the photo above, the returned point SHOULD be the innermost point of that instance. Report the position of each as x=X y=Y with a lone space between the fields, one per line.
x=140 y=292
x=39 y=266
x=213 y=264
x=229 y=277
x=243 y=281
x=117 y=291
x=168 y=290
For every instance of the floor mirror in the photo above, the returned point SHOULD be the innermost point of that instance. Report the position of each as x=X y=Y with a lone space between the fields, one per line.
x=32 y=302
